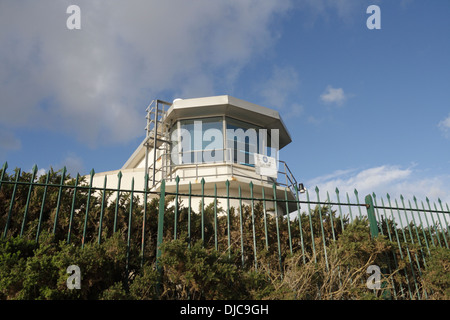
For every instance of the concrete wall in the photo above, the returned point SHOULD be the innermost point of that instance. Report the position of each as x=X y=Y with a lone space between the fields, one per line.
x=214 y=175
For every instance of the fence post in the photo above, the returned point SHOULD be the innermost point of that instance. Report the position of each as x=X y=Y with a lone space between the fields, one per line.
x=374 y=233
x=371 y=215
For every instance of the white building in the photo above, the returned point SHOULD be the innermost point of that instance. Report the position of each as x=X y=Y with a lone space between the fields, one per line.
x=214 y=138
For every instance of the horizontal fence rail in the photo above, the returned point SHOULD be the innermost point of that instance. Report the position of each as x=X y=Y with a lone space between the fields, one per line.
x=75 y=211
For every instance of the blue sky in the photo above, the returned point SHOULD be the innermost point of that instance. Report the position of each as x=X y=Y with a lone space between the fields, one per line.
x=366 y=109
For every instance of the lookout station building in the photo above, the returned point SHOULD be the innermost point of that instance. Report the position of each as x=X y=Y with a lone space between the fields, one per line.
x=226 y=141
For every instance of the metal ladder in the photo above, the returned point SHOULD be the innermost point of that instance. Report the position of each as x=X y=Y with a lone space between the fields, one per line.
x=157 y=138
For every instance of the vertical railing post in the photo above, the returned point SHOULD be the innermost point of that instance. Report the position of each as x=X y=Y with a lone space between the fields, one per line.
x=436 y=228
x=331 y=217
x=72 y=209
x=311 y=227
x=189 y=214
x=253 y=225
x=446 y=223
x=422 y=226
x=24 y=221
x=227 y=183
x=5 y=166
x=445 y=219
x=288 y=219
x=58 y=201
x=144 y=218
x=11 y=204
x=322 y=229
x=297 y=198
x=266 y=235
x=175 y=220
x=159 y=239
x=38 y=231
x=160 y=219
x=240 y=226
x=202 y=182
x=373 y=225
x=100 y=223
x=215 y=218
x=357 y=201
x=130 y=216
x=87 y=209
x=277 y=226
x=119 y=179
x=339 y=206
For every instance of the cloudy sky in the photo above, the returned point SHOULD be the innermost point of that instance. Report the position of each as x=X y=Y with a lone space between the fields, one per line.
x=367 y=109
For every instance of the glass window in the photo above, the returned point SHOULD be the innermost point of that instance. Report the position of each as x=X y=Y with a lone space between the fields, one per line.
x=200 y=140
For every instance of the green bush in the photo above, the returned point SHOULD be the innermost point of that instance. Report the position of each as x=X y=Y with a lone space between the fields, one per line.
x=30 y=271
x=199 y=273
x=436 y=278
x=38 y=271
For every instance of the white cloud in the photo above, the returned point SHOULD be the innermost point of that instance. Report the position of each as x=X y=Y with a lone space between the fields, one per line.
x=295 y=111
x=444 y=126
x=364 y=181
x=381 y=180
x=40 y=173
x=345 y=10
x=279 y=89
x=333 y=96
x=314 y=120
x=74 y=164
x=282 y=82
x=95 y=83
x=8 y=141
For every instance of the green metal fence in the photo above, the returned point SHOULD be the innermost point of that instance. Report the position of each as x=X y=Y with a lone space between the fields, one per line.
x=75 y=211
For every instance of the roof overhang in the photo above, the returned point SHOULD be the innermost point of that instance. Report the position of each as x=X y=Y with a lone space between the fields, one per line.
x=232 y=107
